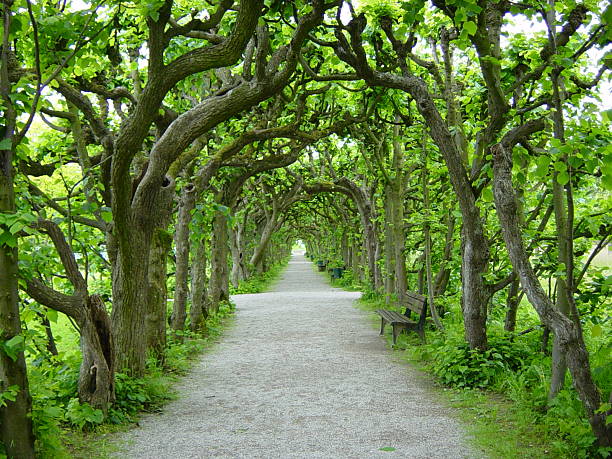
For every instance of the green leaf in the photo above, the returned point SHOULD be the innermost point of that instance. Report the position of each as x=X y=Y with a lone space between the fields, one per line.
x=542 y=166
x=6 y=144
x=107 y=216
x=563 y=178
x=6 y=238
x=560 y=166
x=14 y=346
x=603 y=408
x=54 y=412
x=52 y=315
x=16 y=227
x=470 y=26
x=487 y=195
x=387 y=448
x=606 y=176
x=596 y=330
x=16 y=24
x=9 y=394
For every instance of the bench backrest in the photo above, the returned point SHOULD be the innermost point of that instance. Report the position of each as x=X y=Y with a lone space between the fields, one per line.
x=416 y=302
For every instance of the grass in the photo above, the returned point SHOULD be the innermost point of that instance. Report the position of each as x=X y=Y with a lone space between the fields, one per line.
x=99 y=443
x=66 y=336
x=494 y=425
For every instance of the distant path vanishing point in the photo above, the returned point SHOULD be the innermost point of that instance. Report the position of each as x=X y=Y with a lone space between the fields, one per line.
x=301 y=373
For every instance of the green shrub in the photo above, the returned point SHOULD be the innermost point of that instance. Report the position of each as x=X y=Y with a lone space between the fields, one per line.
x=566 y=419
x=53 y=384
x=456 y=365
x=82 y=415
x=259 y=282
x=130 y=398
x=347 y=281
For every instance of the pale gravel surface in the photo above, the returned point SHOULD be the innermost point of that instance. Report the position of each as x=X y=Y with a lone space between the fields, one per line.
x=302 y=373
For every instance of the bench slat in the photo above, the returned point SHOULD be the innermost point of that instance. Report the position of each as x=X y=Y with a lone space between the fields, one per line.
x=393 y=316
x=415 y=302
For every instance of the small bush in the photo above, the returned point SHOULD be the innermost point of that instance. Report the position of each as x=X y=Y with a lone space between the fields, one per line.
x=82 y=415
x=261 y=282
x=347 y=281
x=457 y=366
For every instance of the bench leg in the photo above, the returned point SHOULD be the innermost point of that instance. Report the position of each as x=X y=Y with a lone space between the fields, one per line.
x=421 y=333
x=382 y=326
x=396 y=331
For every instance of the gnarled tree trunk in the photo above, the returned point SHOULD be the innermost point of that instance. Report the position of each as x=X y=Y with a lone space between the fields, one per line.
x=567 y=332
x=218 y=286
x=512 y=303
x=443 y=274
x=157 y=308
x=15 y=417
x=198 y=312
x=97 y=373
x=131 y=279
x=96 y=384
x=390 y=242
x=181 y=241
x=96 y=377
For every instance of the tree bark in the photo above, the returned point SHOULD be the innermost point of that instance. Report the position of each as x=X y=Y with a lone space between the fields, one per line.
x=15 y=418
x=399 y=237
x=198 y=312
x=512 y=304
x=96 y=384
x=345 y=249
x=157 y=307
x=443 y=274
x=268 y=230
x=218 y=288
x=476 y=294
x=427 y=236
x=239 y=270
x=97 y=373
x=563 y=291
x=370 y=231
x=132 y=280
x=389 y=246
x=181 y=241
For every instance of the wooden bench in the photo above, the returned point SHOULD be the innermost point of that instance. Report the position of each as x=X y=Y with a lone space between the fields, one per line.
x=414 y=302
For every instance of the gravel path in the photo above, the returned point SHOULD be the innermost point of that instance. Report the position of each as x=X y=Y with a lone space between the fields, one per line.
x=302 y=373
